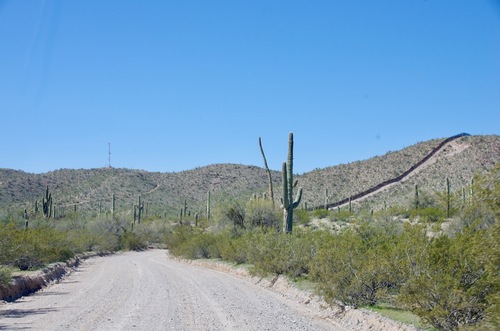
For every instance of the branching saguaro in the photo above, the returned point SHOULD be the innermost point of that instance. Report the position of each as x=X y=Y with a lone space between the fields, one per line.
x=47 y=203
x=288 y=203
x=269 y=178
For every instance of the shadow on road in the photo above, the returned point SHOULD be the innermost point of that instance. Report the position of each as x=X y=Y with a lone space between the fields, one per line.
x=19 y=313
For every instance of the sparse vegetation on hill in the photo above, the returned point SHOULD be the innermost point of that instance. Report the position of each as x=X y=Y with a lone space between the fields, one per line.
x=427 y=244
x=166 y=192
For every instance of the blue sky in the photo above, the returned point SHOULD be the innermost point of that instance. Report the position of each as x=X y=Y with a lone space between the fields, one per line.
x=175 y=85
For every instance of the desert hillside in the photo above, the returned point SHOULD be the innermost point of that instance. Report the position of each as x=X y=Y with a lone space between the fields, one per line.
x=91 y=190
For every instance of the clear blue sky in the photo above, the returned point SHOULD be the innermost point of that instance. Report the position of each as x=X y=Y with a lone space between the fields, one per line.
x=175 y=85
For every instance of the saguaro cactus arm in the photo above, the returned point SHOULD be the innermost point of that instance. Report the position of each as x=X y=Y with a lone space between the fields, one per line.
x=298 y=198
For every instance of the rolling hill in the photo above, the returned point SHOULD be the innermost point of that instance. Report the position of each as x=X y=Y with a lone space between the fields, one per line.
x=91 y=190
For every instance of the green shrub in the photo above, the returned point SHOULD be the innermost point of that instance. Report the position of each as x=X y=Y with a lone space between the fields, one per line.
x=302 y=216
x=321 y=213
x=429 y=214
x=131 y=241
x=260 y=213
x=232 y=246
x=458 y=282
x=230 y=213
x=359 y=266
x=279 y=253
x=5 y=276
x=192 y=243
x=342 y=216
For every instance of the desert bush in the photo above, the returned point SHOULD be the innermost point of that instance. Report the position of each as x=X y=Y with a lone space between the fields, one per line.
x=260 y=213
x=5 y=276
x=230 y=213
x=233 y=246
x=192 y=243
x=359 y=266
x=131 y=241
x=429 y=214
x=278 y=253
x=342 y=216
x=321 y=213
x=458 y=280
x=302 y=216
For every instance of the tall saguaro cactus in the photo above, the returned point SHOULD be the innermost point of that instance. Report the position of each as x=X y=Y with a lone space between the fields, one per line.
x=269 y=178
x=288 y=203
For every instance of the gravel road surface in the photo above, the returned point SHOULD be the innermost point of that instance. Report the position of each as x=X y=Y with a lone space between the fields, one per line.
x=150 y=291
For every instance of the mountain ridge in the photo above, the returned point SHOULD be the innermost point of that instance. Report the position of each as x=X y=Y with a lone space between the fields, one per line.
x=166 y=193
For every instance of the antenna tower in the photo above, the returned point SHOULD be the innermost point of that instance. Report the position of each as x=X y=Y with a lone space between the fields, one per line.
x=109 y=155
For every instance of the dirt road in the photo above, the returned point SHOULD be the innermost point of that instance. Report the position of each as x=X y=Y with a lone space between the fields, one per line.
x=150 y=291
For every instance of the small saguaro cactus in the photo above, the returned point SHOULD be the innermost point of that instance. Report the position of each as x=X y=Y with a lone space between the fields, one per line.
x=113 y=205
x=208 y=205
x=47 y=203
x=287 y=202
x=463 y=197
x=416 y=197
x=448 y=185
x=471 y=193
x=140 y=208
x=327 y=199
x=26 y=219
x=185 y=208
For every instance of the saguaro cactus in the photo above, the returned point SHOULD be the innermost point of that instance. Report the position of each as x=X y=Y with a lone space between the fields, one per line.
x=327 y=199
x=140 y=208
x=471 y=190
x=417 y=202
x=448 y=185
x=269 y=178
x=113 y=206
x=185 y=208
x=47 y=203
x=288 y=204
x=208 y=205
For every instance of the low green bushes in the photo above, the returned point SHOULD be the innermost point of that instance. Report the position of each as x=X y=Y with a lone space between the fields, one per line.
x=45 y=241
x=191 y=243
x=447 y=281
x=33 y=248
x=428 y=214
x=5 y=276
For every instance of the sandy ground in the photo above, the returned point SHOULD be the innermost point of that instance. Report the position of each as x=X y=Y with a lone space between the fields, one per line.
x=151 y=291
